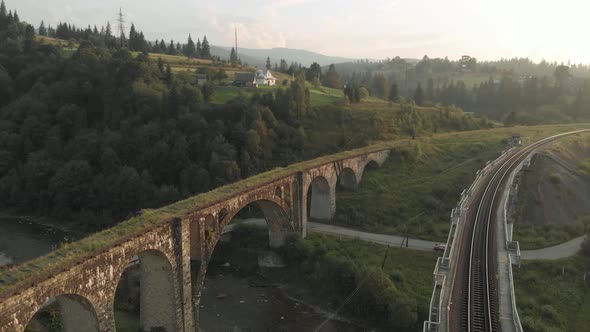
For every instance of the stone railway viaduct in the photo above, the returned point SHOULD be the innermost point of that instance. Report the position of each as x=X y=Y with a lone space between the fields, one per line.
x=169 y=246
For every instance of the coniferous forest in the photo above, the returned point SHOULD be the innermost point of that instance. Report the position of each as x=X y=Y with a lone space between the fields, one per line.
x=100 y=132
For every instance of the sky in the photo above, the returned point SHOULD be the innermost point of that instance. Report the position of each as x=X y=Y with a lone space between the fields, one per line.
x=375 y=29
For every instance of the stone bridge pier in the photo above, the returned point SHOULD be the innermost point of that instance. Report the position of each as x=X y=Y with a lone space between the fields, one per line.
x=171 y=255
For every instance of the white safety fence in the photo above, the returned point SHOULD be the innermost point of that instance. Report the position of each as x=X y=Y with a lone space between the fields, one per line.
x=442 y=270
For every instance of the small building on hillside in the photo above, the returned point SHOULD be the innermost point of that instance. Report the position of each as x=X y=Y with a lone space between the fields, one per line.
x=265 y=78
x=516 y=139
x=245 y=79
x=201 y=79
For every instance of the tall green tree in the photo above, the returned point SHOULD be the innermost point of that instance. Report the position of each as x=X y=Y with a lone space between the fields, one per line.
x=380 y=86
x=205 y=49
x=333 y=78
x=283 y=66
x=199 y=51
x=430 y=89
x=42 y=29
x=393 y=92
x=108 y=30
x=190 y=48
x=3 y=13
x=314 y=71
x=171 y=48
x=561 y=74
x=419 y=95
x=268 y=64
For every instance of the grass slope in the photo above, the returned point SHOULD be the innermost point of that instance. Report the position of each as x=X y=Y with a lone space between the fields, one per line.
x=552 y=295
x=421 y=183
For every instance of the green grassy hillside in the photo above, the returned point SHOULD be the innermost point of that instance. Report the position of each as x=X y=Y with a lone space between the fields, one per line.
x=417 y=188
x=553 y=296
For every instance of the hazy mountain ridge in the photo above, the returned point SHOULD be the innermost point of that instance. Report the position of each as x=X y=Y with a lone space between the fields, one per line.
x=257 y=57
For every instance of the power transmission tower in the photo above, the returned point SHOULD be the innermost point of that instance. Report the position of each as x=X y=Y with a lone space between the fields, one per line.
x=121 y=21
x=236 y=32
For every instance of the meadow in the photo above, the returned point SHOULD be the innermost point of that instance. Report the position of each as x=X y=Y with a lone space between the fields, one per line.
x=416 y=189
x=553 y=295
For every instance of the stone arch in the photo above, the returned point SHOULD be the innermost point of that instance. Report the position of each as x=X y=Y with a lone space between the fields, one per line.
x=322 y=201
x=157 y=298
x=210 y=226
x=287 y=194
x=76 y=313
x=370 y=165
x=277 y=218
x=348 y=179
x=222 y=216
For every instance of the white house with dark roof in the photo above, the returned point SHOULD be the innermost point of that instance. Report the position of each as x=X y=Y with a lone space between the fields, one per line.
x=265 y=78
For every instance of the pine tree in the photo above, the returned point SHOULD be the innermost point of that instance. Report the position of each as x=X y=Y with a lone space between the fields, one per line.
x=142 y=44
x=333 y=78
x=163 y=46
x=205 y=49
x=108 y=31
x=171 y=48
x=132 y=38
x=419 y=95
x=393 y=92
x=15 y=17
x=268 y=65
x=42 y=29
x=190 y=47
x=199 y=49
x=168 y=75
x=2 y=9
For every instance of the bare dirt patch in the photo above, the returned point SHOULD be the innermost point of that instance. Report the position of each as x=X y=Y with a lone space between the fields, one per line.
x=554 y=194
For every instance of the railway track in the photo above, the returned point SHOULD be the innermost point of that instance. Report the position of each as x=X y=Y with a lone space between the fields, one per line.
x=478 y=292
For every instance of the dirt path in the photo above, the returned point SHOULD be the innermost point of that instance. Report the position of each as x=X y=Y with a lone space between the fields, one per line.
x=563 y=250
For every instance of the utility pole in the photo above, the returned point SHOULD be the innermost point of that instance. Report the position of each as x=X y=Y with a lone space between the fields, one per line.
x=121 y=21
x=236 y=33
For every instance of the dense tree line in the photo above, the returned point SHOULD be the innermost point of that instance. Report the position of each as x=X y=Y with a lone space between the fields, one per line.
x=134 y=41
x=103 y=133
x=518 y=90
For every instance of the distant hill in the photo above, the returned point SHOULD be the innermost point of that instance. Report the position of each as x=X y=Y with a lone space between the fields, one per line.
x=257 y=57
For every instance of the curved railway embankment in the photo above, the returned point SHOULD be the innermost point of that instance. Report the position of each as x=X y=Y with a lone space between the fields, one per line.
x=465 y=294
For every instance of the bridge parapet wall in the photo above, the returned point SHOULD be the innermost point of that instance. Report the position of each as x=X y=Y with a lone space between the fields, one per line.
x=94 y=280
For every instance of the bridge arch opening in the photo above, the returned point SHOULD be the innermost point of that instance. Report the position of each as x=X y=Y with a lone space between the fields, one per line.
x=266 y=214
x=320 y=200
x=371 y=166
x=348 y=180
x=244 y=243
x=145 y=297
x=67 y=313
